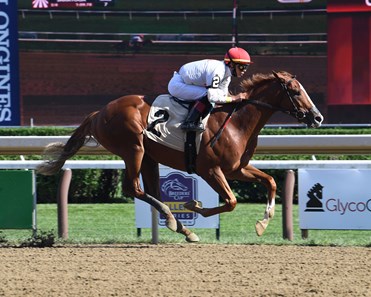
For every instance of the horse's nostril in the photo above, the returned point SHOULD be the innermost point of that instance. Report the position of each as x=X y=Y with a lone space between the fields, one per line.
x=318 y=119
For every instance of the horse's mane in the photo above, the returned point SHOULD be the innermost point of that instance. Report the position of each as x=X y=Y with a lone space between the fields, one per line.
x=257 y=79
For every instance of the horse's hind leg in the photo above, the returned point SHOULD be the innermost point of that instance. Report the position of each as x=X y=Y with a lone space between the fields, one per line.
x=151 y=181
x=252 y=174
x=133 y=157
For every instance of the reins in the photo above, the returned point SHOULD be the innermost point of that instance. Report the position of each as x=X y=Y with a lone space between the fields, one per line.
x=220 y=131
x=296 y=113
x=269 y=106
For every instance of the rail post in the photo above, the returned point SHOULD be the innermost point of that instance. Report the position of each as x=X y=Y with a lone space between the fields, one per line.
x=62 y=203
x=287 y=202
x=155 y=236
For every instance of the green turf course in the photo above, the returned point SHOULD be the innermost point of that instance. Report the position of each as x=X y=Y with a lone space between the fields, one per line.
x=115 y=223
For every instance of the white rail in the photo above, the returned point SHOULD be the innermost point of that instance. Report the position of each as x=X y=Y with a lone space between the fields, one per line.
x=269 y=164
x=267 y=144
x=181 y=13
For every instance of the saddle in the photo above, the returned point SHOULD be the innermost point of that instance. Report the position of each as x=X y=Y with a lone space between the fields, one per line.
x=166 y=115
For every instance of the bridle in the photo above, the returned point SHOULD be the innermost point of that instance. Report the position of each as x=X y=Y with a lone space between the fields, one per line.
x=296 y=113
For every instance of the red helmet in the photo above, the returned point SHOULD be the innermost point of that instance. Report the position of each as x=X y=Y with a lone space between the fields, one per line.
x=237 y=55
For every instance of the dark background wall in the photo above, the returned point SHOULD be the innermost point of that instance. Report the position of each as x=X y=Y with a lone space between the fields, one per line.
x=62 y=88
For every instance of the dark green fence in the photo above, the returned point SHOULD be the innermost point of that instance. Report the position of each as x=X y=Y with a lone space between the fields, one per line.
x=17 y=199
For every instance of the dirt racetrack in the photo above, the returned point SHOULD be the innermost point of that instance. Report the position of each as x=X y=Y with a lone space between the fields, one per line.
x=185 y=270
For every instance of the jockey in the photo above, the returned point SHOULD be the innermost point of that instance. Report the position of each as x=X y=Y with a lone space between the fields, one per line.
x=136 y=40
x=207 y=80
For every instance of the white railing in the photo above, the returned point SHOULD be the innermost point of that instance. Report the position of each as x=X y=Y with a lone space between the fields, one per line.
x=165 y=38
x=181 y=13
x=172 y=41
x=170 y=13
x=284 y=144
x=261 y=164
x=267 y=144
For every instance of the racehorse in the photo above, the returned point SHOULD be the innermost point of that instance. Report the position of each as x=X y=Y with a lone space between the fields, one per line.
x=226 y=148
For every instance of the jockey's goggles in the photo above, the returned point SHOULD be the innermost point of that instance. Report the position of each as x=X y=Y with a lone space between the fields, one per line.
x=243 y=67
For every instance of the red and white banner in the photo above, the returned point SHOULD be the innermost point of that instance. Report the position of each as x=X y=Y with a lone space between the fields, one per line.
x=334 y=6
x=349 y=52
x=294 y=1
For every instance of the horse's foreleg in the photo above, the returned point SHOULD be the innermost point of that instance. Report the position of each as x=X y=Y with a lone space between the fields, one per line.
x=252 y=174
x=216 y=179
x=151 y=181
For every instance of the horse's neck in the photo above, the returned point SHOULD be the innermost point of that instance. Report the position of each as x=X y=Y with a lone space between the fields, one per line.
x=253 y=119
x=260 y=115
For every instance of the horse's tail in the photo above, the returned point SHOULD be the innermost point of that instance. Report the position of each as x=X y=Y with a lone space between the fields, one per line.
x=56 y=153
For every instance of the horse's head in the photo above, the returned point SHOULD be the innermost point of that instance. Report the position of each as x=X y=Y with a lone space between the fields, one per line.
x=285 y=93
x=296 y=100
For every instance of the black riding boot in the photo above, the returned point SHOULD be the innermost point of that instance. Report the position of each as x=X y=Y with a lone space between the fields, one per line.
x=193 y=120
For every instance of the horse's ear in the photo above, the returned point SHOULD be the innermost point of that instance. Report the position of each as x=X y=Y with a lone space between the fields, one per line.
x=276 y=74
x=280 y=79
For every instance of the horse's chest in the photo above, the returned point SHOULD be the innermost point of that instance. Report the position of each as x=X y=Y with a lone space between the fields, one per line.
x=248 y=152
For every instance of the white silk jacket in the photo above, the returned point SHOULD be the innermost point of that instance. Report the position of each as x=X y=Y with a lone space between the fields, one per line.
x=200 y=78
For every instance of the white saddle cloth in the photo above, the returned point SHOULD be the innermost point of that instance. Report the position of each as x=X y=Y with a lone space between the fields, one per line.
x=169 y=132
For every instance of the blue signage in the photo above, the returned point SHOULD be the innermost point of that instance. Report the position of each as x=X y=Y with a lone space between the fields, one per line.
x=177 y=189
x=9 y=64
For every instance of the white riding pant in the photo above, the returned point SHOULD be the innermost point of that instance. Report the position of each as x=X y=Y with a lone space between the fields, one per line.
x=178 y=88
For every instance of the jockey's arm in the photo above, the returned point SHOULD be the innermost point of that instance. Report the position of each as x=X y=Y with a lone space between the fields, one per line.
x=218 y=90
x=221 y=96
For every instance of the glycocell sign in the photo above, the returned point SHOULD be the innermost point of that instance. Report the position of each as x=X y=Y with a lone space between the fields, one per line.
x=9 y=70
x=335 y=199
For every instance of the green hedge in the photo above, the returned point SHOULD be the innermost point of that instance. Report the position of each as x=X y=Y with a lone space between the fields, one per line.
x=93 y=185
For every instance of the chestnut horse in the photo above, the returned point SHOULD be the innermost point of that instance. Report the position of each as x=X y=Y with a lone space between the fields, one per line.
x=120 y=124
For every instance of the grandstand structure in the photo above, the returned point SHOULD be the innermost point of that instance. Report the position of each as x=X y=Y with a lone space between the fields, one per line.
x=176 y=27
x=279 y=37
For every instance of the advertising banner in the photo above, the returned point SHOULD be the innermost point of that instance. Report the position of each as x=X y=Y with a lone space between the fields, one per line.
x=294 y=1
x=17 y=199
x=9 y=61
x=334 y=199
x=45 y=4
x=336 y=6
x=177 y=188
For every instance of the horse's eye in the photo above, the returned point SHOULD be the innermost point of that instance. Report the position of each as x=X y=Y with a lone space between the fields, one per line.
x=295 y=93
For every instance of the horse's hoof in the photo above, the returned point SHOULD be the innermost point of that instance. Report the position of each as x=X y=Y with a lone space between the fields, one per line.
x=171 y=223
x=271 y=213
x=192 y=238
x=260 y=227
x=191 y=205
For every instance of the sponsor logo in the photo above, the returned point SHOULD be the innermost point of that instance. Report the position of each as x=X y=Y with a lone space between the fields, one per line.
x=317 y=203
x=177 y=189
x=40 y=4
x=5 y=65
x=315 y=198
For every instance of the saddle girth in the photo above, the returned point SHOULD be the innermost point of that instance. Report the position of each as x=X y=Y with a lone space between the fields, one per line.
x=190 y=153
